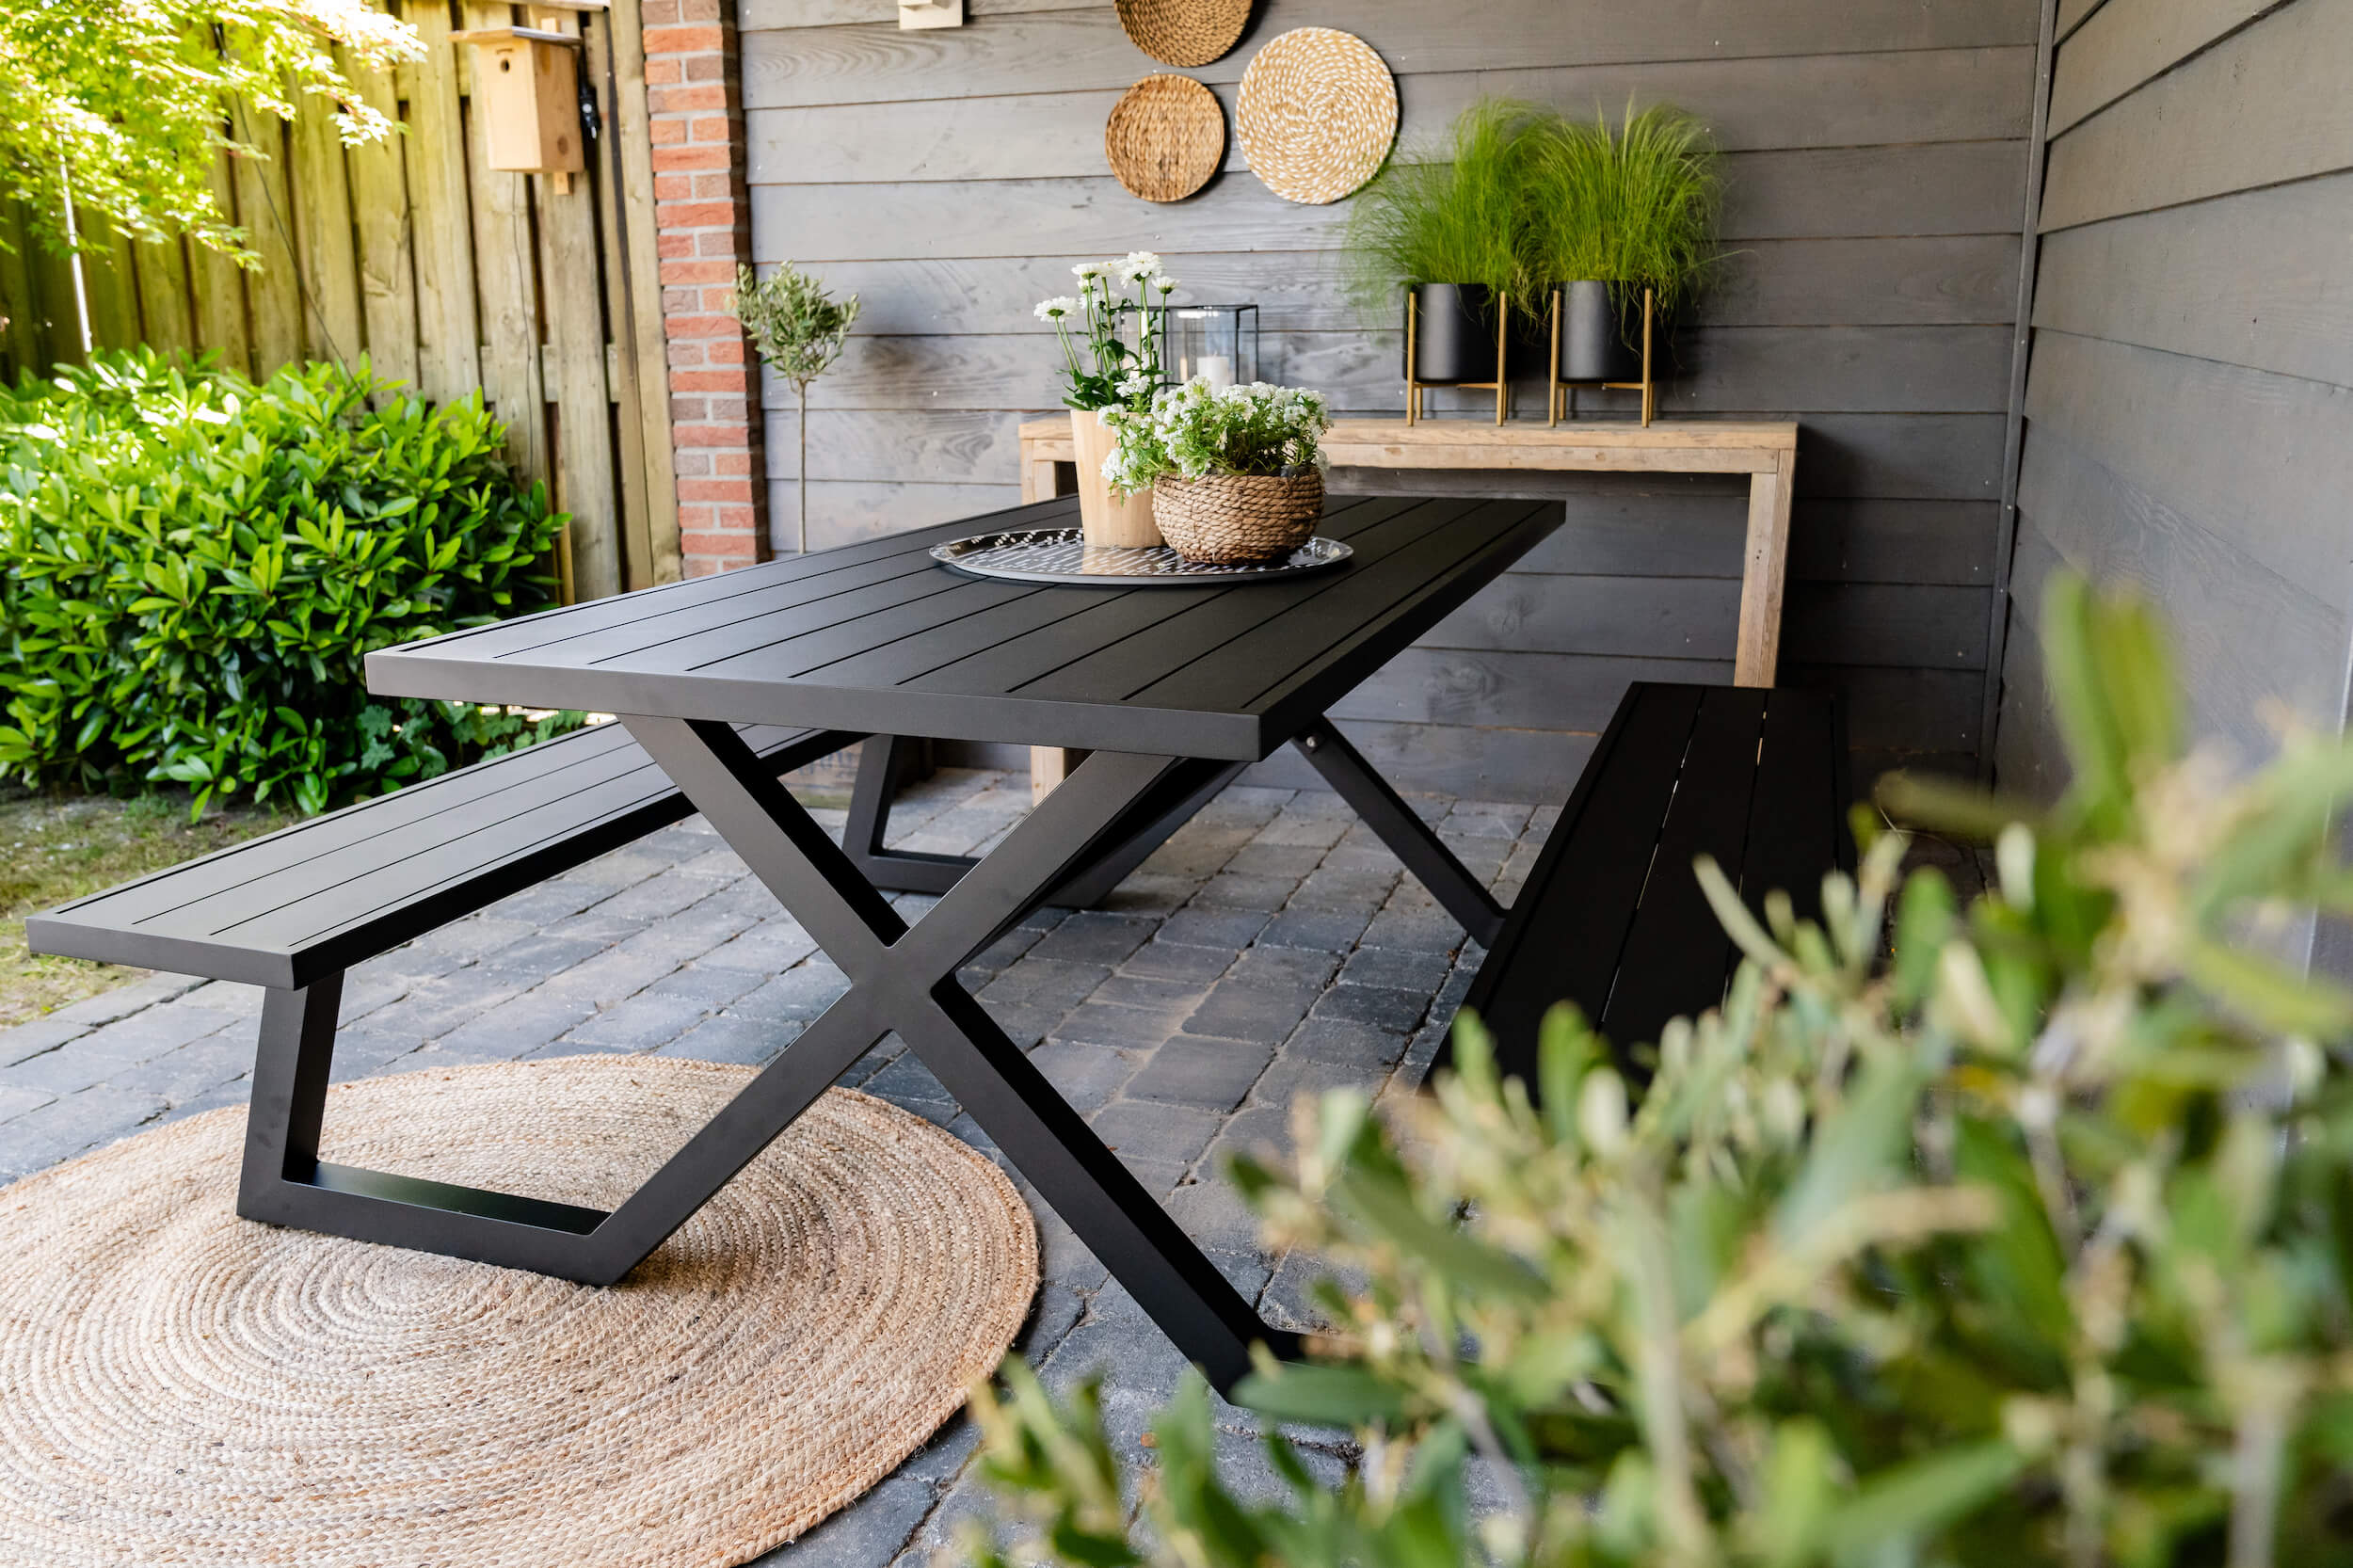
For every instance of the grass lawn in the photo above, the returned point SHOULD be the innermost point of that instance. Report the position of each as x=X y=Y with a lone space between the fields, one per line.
x=55 y=847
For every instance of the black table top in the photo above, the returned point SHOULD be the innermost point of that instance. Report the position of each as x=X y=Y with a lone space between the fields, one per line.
x=878 y=638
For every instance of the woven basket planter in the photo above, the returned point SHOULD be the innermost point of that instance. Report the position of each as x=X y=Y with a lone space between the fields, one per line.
x=1228 y=518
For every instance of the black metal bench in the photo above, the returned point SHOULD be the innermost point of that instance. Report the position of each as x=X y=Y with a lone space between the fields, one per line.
x=1612 y=917
x=302 y=905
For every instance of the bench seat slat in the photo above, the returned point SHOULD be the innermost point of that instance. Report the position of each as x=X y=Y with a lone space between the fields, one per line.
x=289 y=908
x=1611 y=917
x=1677 y=950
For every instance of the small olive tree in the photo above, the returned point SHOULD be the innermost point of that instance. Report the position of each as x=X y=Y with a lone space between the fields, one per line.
x=799 y=330
x=2027 y=1239
x=124 y=109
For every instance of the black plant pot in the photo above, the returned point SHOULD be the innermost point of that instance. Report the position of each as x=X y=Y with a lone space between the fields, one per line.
x=1592 y=334
x=1453 y=337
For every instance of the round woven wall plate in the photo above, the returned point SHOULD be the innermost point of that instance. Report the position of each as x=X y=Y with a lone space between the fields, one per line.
x=1165 y=138
x=1316 y=114
x=186 y=1386
x=1184 y=32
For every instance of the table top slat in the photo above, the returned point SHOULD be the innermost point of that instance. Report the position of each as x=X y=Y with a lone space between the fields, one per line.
x=873 y=639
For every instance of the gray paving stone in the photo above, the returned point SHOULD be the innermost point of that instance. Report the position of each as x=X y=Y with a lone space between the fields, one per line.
x=747 y=1042
x=539 y=956
x=1149 y=893
x=1275 y=969
x=362 y=1053
x=713 y=985
x=549 y=901
x=1138 y=1129
x=470 y=939
x=71 y=1123
x=622 y=867
x=1093 y=937
x=38 y=1035
x=16 y=1099
x=1166 y=960
x=180 y=1076
x=1212 y=1074
x=868 y=1534
x=450 y=1001
x=1085 y=1075
x=1322 y=930
x=769 y=948
x=1262 y=1015
x=906 y=1081
x=642 y=1022
x=1102 y=1023
x=1234 y=890
x=106 y=1007
x=516 y=1024
x=1046 y=982
x=1198 y=925
x=145 y=1035
x=1424 y=930
x=1348 y=1040
x=1399 y=968
x=1342 y=887
x=1128 y=989
x=1378 y=1005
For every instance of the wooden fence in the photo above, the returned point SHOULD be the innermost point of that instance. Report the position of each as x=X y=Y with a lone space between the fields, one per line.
x=446 y=274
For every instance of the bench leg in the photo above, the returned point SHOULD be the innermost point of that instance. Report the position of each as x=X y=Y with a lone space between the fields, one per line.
x=1433 y=865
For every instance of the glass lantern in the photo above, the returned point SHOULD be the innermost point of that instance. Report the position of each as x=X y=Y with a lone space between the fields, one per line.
x=1217 y=341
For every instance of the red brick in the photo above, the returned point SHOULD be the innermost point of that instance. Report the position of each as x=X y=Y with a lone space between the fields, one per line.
x=668 y=244
x=686 y=409
x=730 y=462
x=725 y=351
x=666 y=158
x=727 y=410
x=719 y=185
x=706 y=68
x=686 y=99
x=662 y=70
x=658 y=13
x=714 y=489
x=685 y=41
x=666 y=133
x=730 y=379
x=736 y=435
x=698 y=11
x=709 y=127
x=698 y=272
x=695 y=463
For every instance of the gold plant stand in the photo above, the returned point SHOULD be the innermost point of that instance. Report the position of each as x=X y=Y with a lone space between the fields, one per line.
x=1556 y=406
x=1502 y=384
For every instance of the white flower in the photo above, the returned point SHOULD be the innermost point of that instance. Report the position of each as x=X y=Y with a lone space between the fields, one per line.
x=1134 y=383
x=1138 y=267
x=1167 y=284
x=1056 y=308
x=1089 y=271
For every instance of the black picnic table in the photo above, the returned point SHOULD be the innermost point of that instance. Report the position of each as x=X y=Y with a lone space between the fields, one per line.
x=1170 y=691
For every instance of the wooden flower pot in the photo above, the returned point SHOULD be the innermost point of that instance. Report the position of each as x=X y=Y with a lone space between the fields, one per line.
x=1105 y=516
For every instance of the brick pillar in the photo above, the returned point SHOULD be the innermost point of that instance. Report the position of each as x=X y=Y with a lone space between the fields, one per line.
x=703 y=218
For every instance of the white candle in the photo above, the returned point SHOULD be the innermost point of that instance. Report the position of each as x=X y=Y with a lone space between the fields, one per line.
x=1217 y=369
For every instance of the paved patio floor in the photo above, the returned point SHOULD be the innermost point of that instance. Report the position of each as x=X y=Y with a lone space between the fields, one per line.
x=1270 y=947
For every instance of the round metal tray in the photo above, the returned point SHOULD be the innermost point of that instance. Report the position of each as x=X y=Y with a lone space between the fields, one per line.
x=1062 y=555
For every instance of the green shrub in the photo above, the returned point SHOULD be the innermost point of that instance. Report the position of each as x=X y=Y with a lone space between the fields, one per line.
x=196 y=567
x=2026 y=1240
x=1455 y=214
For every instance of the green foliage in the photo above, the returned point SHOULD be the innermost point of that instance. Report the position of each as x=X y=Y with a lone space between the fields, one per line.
x=1637 y=205
x=2015 y=1235
x=798 y=328
x=126 y=105
x=1519 y=200
x=1198 y=429
x=1455 y=214
x=198 y=566
x=1101 y=369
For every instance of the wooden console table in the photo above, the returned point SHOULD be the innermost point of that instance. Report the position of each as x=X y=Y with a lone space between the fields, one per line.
x=1766 y=452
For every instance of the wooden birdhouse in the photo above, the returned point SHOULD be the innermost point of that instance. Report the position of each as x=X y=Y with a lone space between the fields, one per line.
x=526 y=90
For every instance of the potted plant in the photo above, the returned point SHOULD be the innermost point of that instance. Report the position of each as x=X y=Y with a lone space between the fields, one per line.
x=1610 y=214
x=1236 y=473
x=1106 y=373
x=1446 y=230
x=799 y=330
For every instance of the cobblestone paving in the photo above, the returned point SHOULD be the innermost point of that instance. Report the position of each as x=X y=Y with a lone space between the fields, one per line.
x=1272 y=946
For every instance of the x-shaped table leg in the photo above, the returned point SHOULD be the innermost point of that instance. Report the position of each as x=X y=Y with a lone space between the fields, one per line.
x=903 y=978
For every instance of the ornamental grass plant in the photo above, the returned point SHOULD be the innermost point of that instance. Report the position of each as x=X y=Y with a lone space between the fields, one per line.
x=197 y=564
x=1636 y=205
x=2018 y=1234
x=1454 y=215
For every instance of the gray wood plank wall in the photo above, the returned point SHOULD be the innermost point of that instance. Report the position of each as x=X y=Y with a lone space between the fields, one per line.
x=2189 y=393
x=1876 y=159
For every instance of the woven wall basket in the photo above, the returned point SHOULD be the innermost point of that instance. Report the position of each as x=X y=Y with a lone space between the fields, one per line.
x=1238 y=517
x=1316 y=114
x=1165 y=138
x=179 y=1385
x=1184 y=32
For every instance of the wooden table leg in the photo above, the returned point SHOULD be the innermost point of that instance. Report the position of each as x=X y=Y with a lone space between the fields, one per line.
x=1764 y=567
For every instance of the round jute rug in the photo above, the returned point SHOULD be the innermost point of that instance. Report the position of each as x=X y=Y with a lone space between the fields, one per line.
x=178 y=1386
